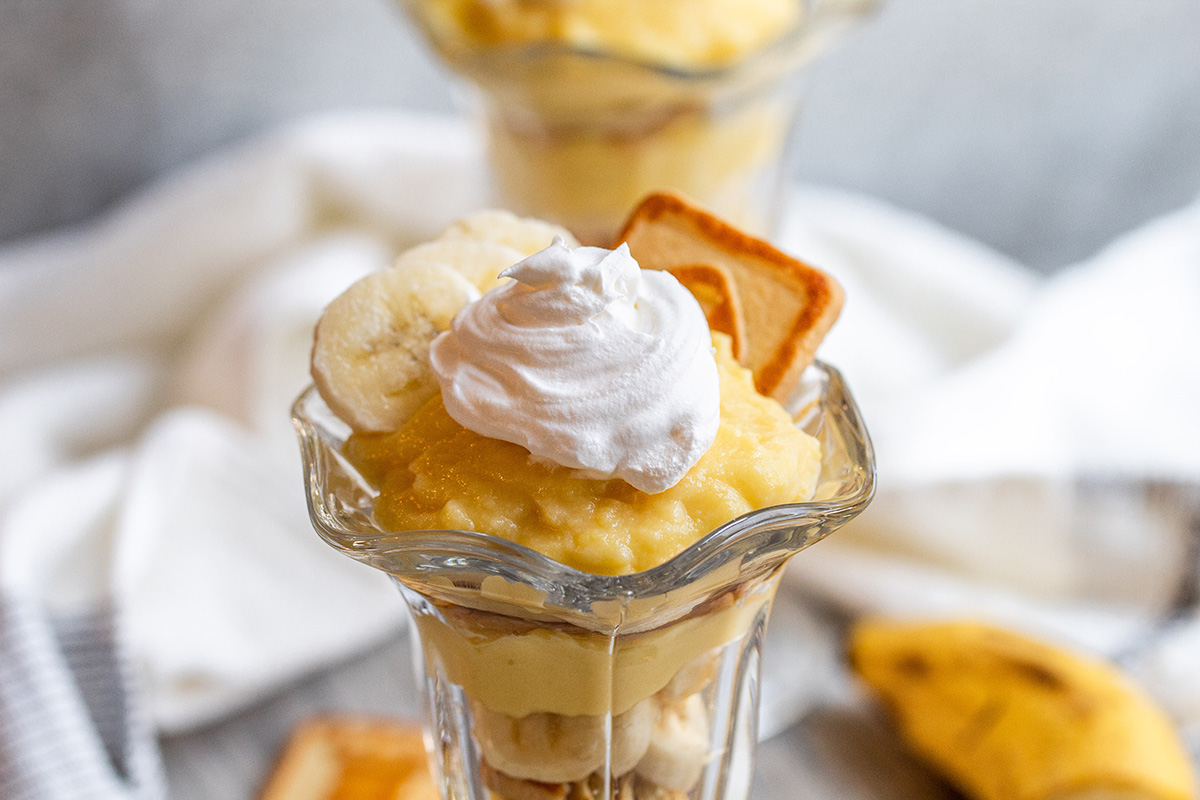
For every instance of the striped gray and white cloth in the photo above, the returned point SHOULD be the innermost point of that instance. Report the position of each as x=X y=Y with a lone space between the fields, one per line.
x=72 y=722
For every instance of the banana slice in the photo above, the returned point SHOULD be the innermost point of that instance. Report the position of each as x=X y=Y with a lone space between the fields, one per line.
x=631 y=736
x=507 y=787
x=552 y=748
x=692 y=677
x=525 y=234
x=479 y=262
x=644 y=790
x=370 y=358
x=679 y=746
x=1010 y=718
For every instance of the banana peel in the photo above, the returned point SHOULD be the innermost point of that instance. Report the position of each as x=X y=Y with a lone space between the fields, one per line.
x=1005 y=717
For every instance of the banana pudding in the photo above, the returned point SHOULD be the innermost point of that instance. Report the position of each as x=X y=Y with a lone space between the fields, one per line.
x=592 y=104
x=573 y=404
x=582 y=408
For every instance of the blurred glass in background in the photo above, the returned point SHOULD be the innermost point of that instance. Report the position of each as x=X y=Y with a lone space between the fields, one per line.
x=1043 y=129
x=590 y=106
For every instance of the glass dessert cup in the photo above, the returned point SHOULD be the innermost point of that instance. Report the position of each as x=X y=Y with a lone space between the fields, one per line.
x=580 y=136
x=543 y=681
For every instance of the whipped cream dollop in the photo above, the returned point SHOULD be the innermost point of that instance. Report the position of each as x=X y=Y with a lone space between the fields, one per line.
x=588 y=362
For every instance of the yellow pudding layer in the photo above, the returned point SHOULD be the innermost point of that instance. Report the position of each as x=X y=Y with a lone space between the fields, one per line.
x=588 y=179
x=433 y=473
x=579 y=139
x=676 y=33
x=546 y=669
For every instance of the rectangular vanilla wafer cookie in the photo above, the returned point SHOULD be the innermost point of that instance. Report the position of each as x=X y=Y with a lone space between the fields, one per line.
x=714 y=289
x=788 y=306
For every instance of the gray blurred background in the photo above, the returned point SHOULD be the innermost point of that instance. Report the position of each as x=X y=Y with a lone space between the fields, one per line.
x=1041 y=127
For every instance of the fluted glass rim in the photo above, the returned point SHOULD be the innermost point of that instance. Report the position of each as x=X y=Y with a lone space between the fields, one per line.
x=820 y=16
x=797 y=525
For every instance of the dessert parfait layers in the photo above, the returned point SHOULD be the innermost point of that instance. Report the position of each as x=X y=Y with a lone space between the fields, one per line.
x=591 y=104
x=579 y=470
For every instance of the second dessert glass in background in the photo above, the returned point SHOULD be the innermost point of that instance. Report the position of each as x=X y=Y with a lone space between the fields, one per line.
x=577 y=134
x=543 y=681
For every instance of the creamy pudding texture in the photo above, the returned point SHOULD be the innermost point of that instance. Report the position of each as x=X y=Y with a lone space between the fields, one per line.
x=521 y=671
x=434 y=473
x=587 y=413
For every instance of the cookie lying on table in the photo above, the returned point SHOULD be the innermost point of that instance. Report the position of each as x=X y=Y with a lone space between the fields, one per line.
x=349 y=758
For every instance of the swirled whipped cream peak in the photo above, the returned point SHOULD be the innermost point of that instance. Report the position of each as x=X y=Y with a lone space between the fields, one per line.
x=589 y=363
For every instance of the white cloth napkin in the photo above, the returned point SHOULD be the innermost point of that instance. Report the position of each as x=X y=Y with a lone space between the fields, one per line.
x=151 y=480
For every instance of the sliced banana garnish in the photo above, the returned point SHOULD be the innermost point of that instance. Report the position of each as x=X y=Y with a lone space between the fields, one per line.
x=679 y=746
x=553 y=748
x=525 y=234
x=370 y=358
x=480 y=262
x=692 y=677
